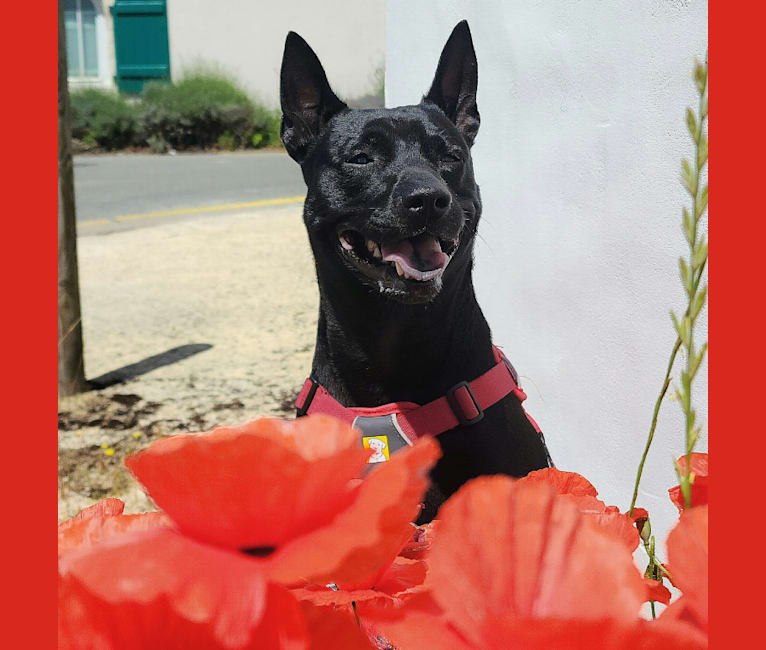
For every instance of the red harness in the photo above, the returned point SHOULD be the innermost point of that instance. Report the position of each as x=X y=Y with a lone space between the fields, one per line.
x=464 y=404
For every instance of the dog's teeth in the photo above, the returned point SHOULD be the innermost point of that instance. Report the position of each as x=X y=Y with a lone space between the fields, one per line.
x=399 y=269
x=345 y=243
x=376 y=252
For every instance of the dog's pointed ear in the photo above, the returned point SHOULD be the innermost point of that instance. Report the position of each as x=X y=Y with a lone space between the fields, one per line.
x=454 y=86
x=307 y=100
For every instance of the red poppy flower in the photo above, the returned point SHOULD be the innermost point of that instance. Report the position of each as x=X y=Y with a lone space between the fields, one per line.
x=210 y=581
x=158 y=589
x=514 y=566
x=540 y=561
x=102 y=520
x=283 y=491
x=688 y=556
x=699 y=468
x=562 y=482
x=581 y=492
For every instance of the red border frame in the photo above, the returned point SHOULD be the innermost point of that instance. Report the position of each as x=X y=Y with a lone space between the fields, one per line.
x=30 y=152
x=736 y=429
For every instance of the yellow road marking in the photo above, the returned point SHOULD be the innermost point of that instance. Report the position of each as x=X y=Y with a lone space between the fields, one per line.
x=207 y=208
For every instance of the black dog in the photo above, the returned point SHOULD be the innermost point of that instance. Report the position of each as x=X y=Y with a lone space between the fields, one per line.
x=391 y=212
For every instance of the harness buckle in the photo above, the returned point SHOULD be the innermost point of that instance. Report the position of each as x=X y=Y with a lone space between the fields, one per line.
x=458 y=397
x=305 y=397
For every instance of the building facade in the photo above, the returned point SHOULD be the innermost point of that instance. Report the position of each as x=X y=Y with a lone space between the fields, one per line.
x=122 y=43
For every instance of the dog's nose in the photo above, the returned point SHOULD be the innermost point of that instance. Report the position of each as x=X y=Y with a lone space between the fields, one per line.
x=429 y=203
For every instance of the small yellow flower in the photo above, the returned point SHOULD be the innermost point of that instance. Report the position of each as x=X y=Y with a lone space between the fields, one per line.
x=137 y=434
x=78 y=432
x=104 y=445
x=109 y=452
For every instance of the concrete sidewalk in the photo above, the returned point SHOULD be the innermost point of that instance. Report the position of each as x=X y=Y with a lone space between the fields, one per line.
x=243 y=284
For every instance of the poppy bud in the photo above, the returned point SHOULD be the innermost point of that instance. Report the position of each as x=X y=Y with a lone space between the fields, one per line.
x=644 y=529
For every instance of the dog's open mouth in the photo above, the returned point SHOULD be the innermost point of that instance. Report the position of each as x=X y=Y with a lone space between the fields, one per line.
x=415 y=260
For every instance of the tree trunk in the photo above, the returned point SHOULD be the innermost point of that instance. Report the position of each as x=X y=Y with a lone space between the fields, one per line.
x=71 y=363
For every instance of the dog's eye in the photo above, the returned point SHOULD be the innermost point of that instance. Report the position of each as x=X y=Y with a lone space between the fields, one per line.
x=451 y=158
x=360 y=159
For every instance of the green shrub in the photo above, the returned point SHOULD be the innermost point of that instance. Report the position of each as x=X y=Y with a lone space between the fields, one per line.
x=103 y=118
x=266 y=128
x=198 y=110
x=226 y=142
x=205 y=109
x=272 y=129
x=157 y=144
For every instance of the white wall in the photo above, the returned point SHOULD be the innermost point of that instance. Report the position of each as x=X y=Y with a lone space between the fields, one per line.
x=247 y=39
x=578 y=159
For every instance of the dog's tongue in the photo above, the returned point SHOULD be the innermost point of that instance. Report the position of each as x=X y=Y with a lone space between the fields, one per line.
x=420 y=257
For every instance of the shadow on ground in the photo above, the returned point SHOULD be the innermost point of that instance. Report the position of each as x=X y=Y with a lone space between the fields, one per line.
x=134 y=370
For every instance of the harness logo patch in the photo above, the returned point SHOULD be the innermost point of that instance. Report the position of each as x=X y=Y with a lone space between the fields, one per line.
x=379 y=444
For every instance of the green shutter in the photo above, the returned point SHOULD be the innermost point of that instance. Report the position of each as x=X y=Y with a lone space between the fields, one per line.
x=140 y=43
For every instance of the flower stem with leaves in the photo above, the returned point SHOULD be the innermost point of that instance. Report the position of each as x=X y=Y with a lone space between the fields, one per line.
x=691 y=273
x=691 y=276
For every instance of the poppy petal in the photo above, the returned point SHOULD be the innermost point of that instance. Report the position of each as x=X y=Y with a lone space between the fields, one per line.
x=333 y=628
x=699 y=494
x=363 y=539
x=562 y=482
x=607 y=634
x=402 y=579
x=620 y=526
x=679 y=612
x=257 y=485
x=107 y=507
x=328 y=597
x=699 y=487
x=403 y=575
x=688 y=556
x=420 y=623
x=83 y=533
x=656 y=591
x=158 y=589
x=607 y=519
x=519 y=551
x=415 y=626
x=419 y=544
x=699 y=463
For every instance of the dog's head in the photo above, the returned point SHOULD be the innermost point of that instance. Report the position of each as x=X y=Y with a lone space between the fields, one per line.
x=391 y=194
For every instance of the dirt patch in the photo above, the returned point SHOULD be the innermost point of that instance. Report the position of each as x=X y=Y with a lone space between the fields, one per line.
x=114 y=412
x=238 y=290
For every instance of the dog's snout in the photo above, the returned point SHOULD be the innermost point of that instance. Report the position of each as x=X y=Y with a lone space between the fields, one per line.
x=429 y=202
x=423 y=197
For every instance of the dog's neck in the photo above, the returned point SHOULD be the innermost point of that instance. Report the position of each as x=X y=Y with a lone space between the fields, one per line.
x=372 y=350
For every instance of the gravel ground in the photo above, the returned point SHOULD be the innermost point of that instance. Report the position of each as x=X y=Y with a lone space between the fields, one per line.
x=227 y=302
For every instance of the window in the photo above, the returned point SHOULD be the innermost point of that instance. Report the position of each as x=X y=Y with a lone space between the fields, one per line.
x=81 y=41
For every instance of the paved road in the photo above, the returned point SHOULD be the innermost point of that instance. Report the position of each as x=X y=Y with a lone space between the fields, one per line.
x=124 y=191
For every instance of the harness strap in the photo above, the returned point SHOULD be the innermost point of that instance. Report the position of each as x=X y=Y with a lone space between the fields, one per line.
x=464 y=404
